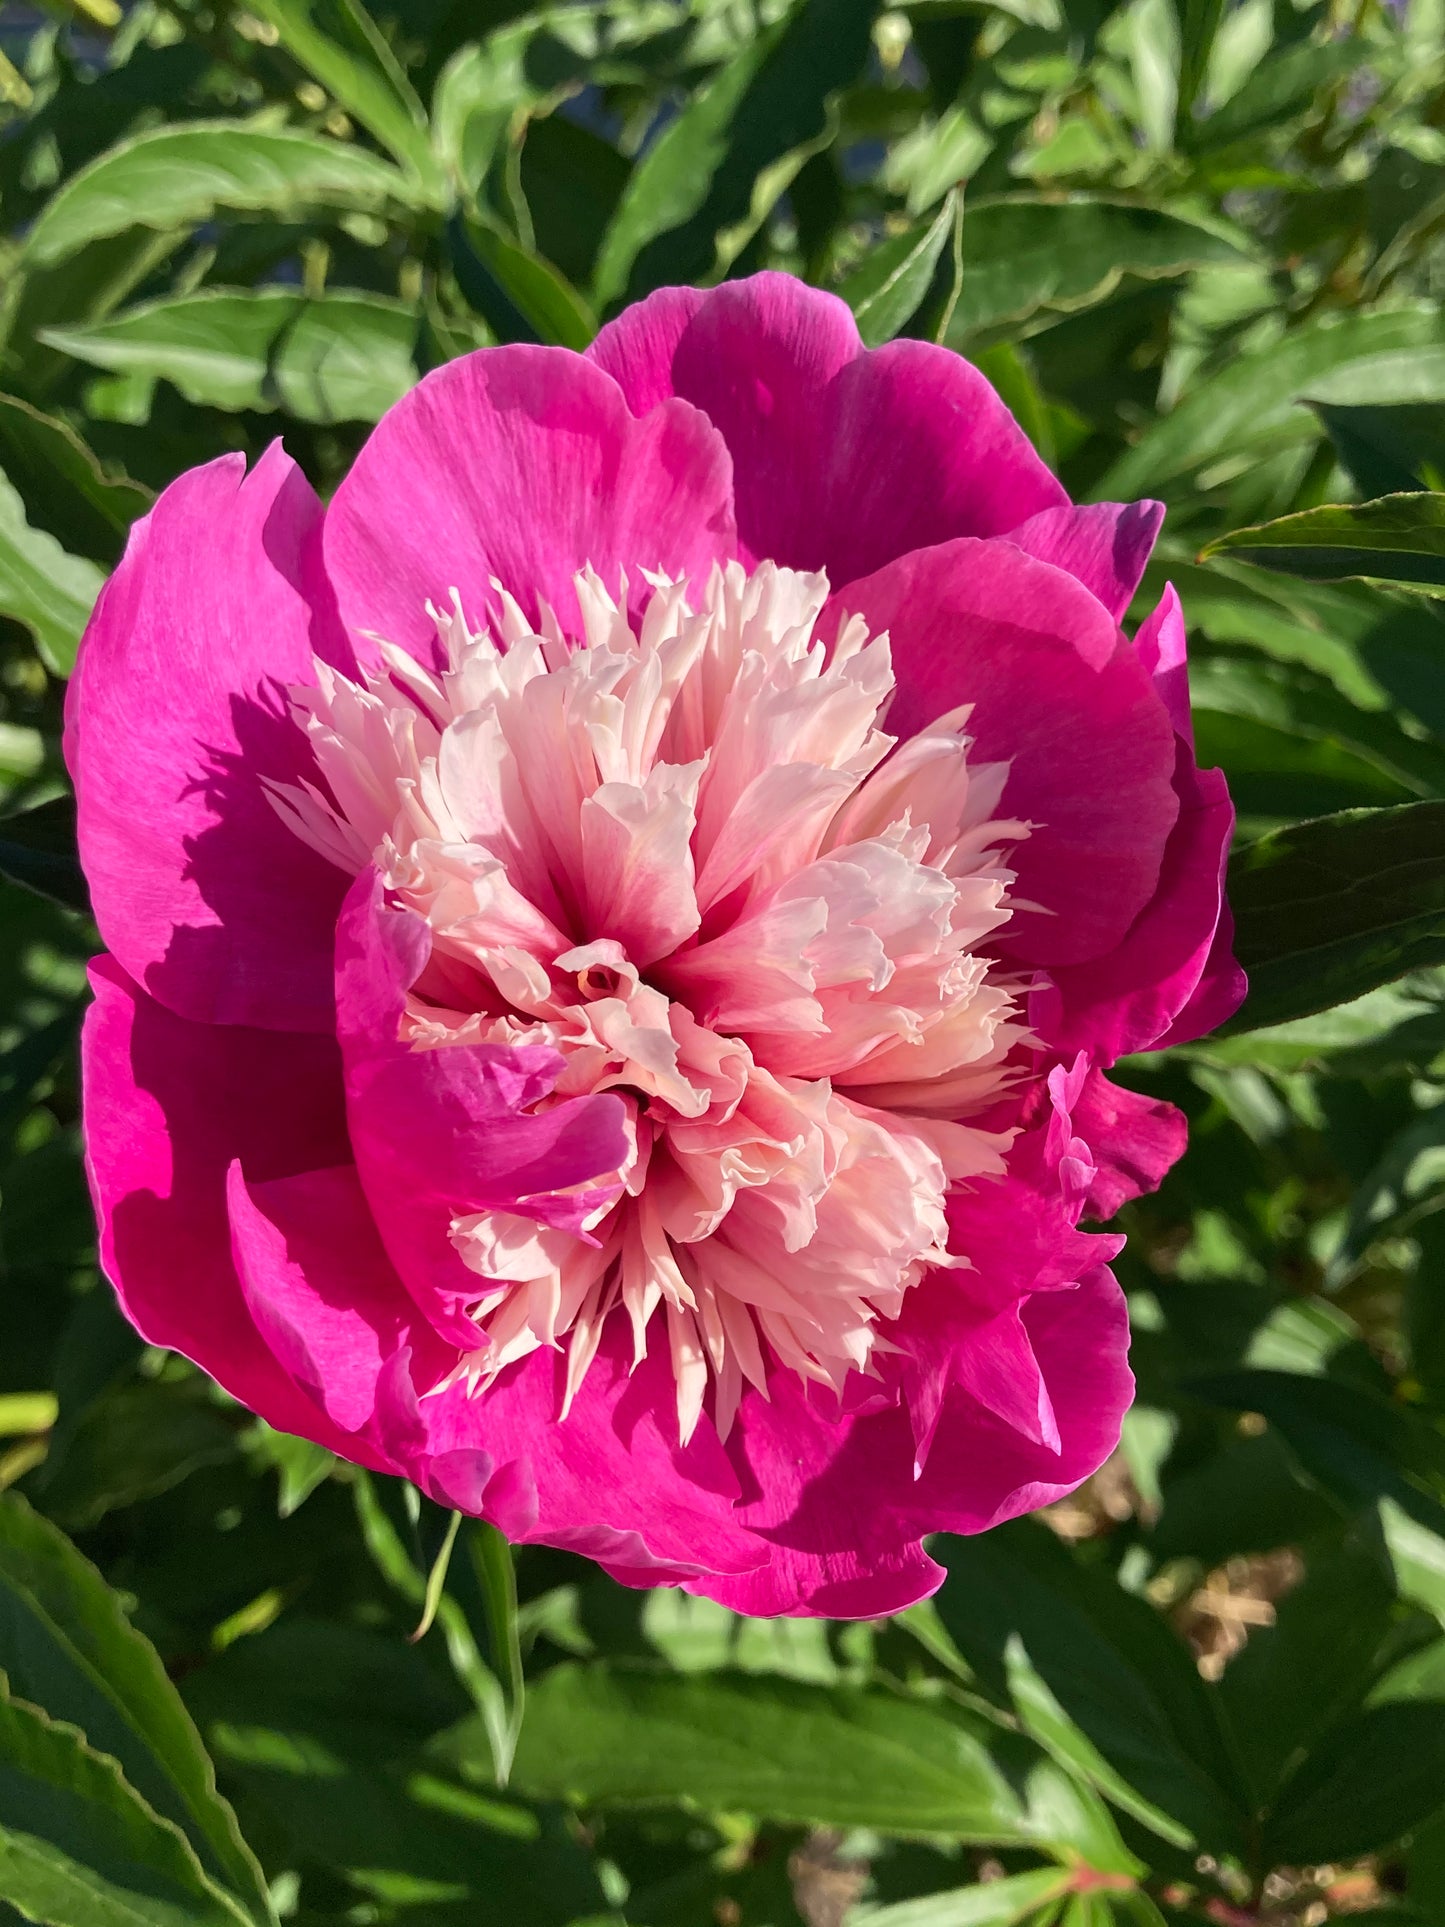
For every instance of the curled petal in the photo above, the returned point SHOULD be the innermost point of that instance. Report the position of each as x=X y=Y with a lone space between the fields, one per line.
x=611 y=1481
x=1104 y=546
x=171 y=1107
x=176 y=721
x=319 y=1286
x=438 y=1134
x=1059 y=697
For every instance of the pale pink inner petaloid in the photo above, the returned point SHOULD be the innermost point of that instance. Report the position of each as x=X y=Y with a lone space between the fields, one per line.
x=684 y=856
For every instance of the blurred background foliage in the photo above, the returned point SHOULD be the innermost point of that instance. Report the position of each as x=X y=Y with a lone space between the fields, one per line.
x=1197 y=246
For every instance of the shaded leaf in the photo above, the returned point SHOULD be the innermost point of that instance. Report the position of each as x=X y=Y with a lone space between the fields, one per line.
x=79 y=1848
x=1314 y=1663
x=139 y=1440
x=65 y=490
x=37 y=848
x=1329 y=909
x=792 y=1752
x=67 y=1647
x=521 y=296
x=1370 y=1780
x=888 y=289
x=1389 y=450
x=1355 y=1445
x=698 y=177
x=49 y=592
x=1120 y=1675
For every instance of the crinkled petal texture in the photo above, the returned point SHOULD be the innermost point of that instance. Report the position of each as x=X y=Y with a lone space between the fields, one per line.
x=617 y=928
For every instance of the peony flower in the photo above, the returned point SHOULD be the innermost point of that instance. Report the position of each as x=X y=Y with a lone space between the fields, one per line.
x=617 y=925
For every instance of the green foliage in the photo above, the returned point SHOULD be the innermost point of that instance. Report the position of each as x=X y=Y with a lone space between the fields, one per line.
x=1197 y=247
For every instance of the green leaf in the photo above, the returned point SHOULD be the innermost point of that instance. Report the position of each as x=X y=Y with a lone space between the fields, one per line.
x=387 y=1512
x=1289 y=82
x=1315 y=1662
x=495 y=1571
x=1372 y=1779
x=69 y=1648
x=137 y=1441
x=1329 y=909
x=1398 y=1028
x=1283 y=770
x=698 y=177
x=1389 y=450
x=338 y=357
x=1116 y=1671
x=521 y=296
x=339 y=1738
x=888 y=289
x=37 y=848
x=1000 y=1903
x=65 y=490
x=178 y=176
x=1252 y=398
x=49 y=592
x=79 y=1848
x=571 y=180
x=1400 y=538
x=1290 y=699
x=1353 y=1444
x=1404 y=1183
x=338 y=42
x=812 y=1755
x=1024 y=256
x=1045 y=1717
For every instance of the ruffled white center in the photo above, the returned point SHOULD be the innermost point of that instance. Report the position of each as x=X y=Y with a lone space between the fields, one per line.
x=682 y=855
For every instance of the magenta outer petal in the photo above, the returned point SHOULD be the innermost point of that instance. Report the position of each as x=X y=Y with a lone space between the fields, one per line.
x=319 y=1286
x=176 y=715
x=610 y=1481
x=844 y=458
x=440 y=1133
x=170 y=1106
x=980 y=1472
x=1162 y=645
x=1172 y=977
x=1060 y=697
x=1130 y=999
x=1220 y=991
x=827 y=1497
x=523 y=464
x=1135 y=1140
x=1104 y=546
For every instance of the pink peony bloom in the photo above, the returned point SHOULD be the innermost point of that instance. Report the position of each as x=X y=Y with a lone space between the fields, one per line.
x=616 y=929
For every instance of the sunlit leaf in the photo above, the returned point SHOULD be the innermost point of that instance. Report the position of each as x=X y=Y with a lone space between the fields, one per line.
x=698 y=176
x=337 y=357
x=340 y=44
x=1400 y=538
x=178 y=176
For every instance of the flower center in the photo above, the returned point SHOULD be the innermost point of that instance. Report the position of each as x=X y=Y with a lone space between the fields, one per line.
x=682 y=854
